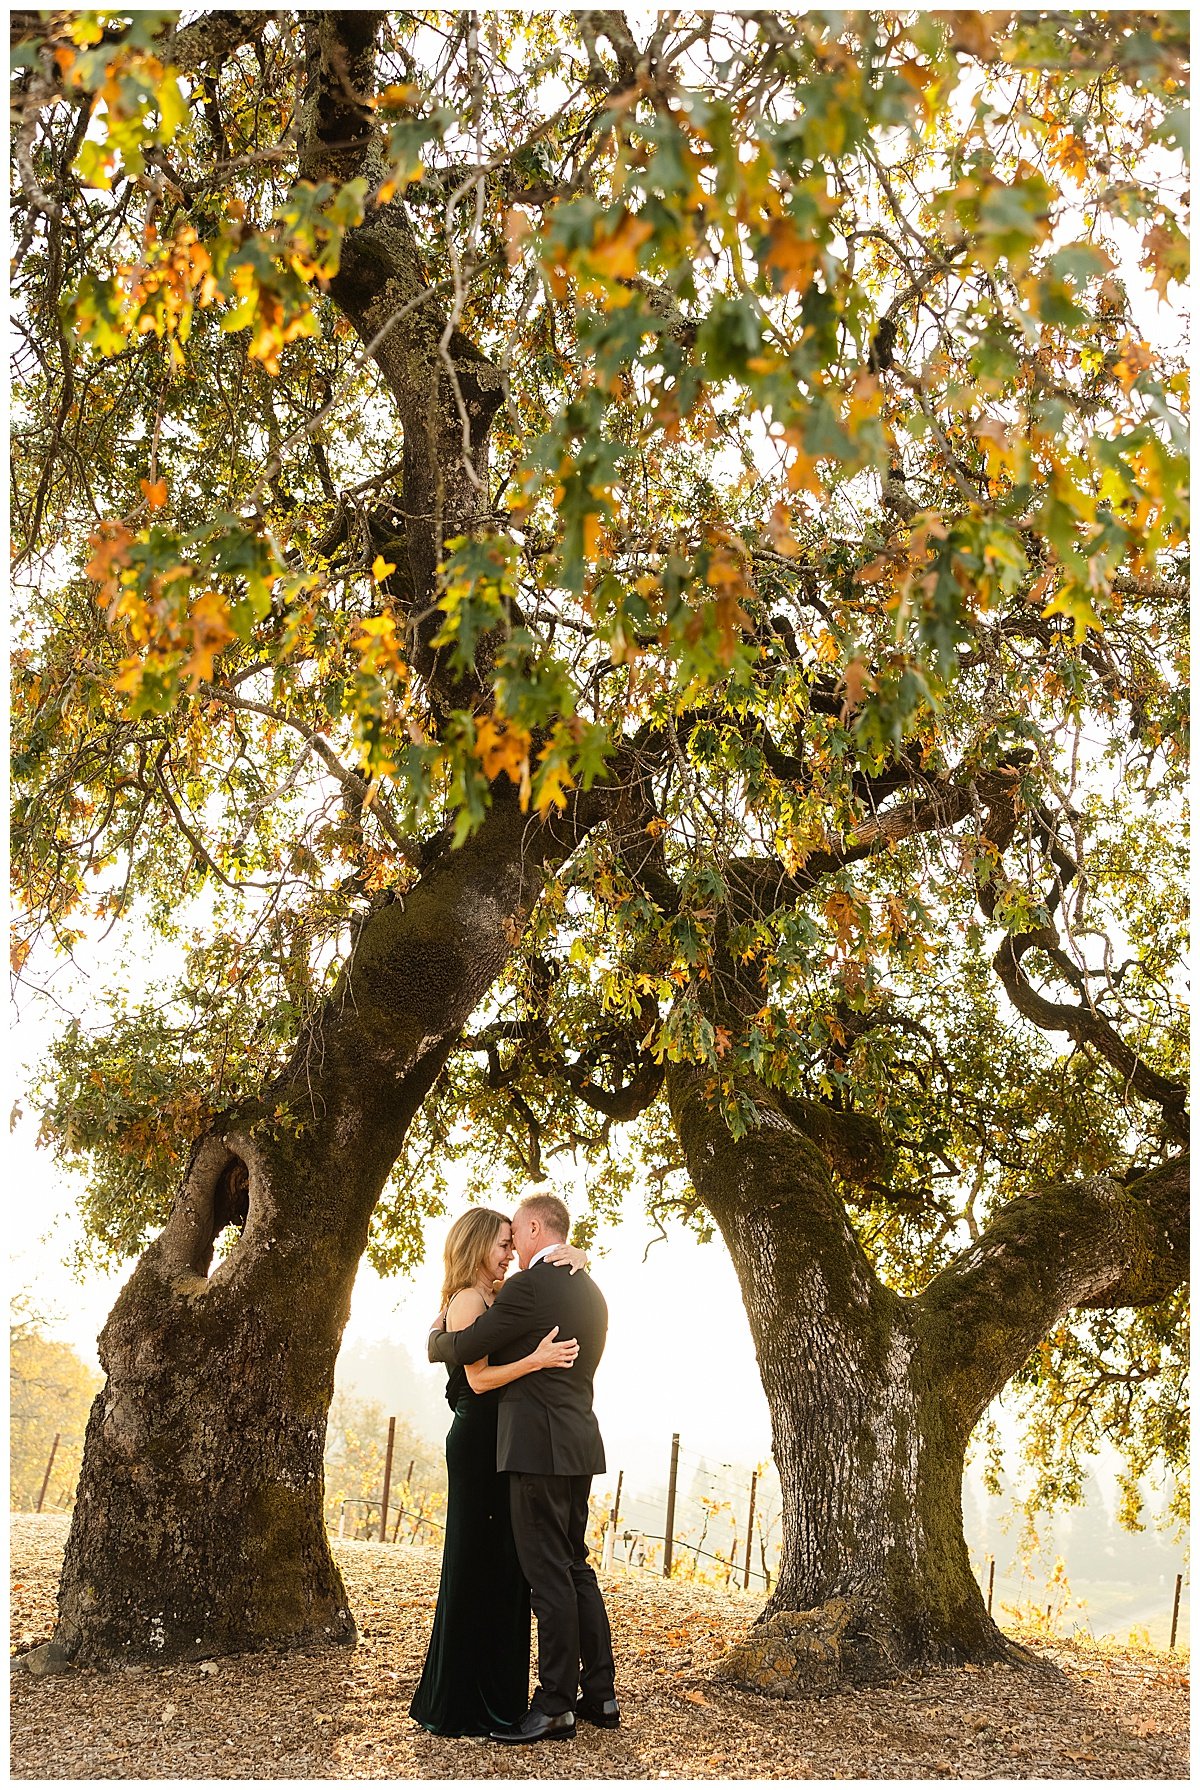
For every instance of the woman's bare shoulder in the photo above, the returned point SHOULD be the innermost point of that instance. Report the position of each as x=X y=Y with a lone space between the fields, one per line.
x=464 y=1308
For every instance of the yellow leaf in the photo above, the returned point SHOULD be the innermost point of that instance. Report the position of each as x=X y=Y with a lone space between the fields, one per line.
x=399 y=95
x=725 y=572
x=380 y=569
x=110 y=550
x=554 y=781
x=802 y=472
x=615 y=255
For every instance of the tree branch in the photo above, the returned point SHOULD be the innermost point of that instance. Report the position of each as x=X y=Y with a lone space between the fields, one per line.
x=1083 y=1022
x=354 y=785
x=1096 y=1244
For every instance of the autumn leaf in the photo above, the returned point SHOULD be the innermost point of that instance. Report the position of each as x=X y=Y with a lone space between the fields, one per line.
x=792 y=257
x=381 y=568
x=518 y=228
x=501 y=746
x=210 y=632
x=614 y=254
x=730 y=618
x=840 y=911
x=857 y=680
x=554 y=779
x=110 y=552
x=155 y=494
x=1165 y=256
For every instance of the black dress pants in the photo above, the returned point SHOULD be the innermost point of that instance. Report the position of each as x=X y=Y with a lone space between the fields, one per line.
x=549 y=1524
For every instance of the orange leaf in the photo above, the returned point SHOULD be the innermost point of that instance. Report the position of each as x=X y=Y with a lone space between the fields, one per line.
x=109 y=550
x=856 y=681
x=210 y=632
x=518 y=228
x=615 y=255
x=502 y=746
x=792 y=257
x=155 y=494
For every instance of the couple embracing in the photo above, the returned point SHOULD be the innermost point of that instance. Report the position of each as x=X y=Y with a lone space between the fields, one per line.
x=520 y=1456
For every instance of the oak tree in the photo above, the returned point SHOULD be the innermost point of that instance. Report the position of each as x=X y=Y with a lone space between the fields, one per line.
x=638 y=569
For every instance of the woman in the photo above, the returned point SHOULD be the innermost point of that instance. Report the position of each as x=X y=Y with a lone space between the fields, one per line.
x=476 y=1674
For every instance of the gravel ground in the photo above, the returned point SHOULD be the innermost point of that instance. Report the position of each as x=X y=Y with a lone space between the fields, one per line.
x=1089 y=1712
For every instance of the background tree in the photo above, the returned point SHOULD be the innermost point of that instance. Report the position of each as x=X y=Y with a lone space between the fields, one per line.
x=355 y=1459
x=712 y=554
x=50 y=1391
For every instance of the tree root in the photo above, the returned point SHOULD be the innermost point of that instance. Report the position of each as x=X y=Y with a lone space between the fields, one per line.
x=803 y=1653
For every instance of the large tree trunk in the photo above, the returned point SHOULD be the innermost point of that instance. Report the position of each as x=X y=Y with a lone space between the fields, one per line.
x=873 y=1397
x=199 y=1526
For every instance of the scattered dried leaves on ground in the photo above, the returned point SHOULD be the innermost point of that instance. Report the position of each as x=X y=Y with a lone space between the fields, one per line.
x=1088 y=1712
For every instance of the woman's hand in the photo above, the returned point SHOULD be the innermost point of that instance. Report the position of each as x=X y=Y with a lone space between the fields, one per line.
x=554 y=1354
x=565 y=1255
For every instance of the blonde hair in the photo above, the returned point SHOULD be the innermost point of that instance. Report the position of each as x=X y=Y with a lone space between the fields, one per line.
x=550 y=1213
x=467 y=1248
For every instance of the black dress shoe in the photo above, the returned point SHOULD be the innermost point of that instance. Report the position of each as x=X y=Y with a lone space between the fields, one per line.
x=601 y=1715
x=537 y=1725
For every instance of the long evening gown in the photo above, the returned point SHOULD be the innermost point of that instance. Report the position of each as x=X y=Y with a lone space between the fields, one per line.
x=476 y=1674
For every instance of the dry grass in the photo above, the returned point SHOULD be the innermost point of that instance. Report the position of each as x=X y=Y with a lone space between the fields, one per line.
x=1089 y=1712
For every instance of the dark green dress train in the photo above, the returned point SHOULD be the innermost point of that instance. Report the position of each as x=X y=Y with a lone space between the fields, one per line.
x=476 y=1674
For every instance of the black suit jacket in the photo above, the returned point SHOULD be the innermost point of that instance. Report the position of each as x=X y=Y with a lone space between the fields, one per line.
x=546 y=1423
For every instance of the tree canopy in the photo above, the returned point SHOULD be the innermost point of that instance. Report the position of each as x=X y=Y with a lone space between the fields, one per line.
x=833 y=523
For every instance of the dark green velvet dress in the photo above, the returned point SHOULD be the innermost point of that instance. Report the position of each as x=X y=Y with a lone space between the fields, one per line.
x=476 y=1674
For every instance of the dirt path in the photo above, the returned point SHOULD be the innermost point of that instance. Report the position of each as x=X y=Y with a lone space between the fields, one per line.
x=1092 y=1712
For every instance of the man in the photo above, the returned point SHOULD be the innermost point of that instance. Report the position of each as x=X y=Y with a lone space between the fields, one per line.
x=548 y=1442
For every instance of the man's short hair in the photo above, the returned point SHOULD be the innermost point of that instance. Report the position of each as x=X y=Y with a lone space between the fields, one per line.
x=550 y=1213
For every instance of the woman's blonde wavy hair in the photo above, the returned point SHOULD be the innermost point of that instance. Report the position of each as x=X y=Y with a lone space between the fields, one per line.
x=467 y=1247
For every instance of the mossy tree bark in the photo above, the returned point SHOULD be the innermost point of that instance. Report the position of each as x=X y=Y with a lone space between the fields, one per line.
x=199 y=1527
x=873 y=1396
